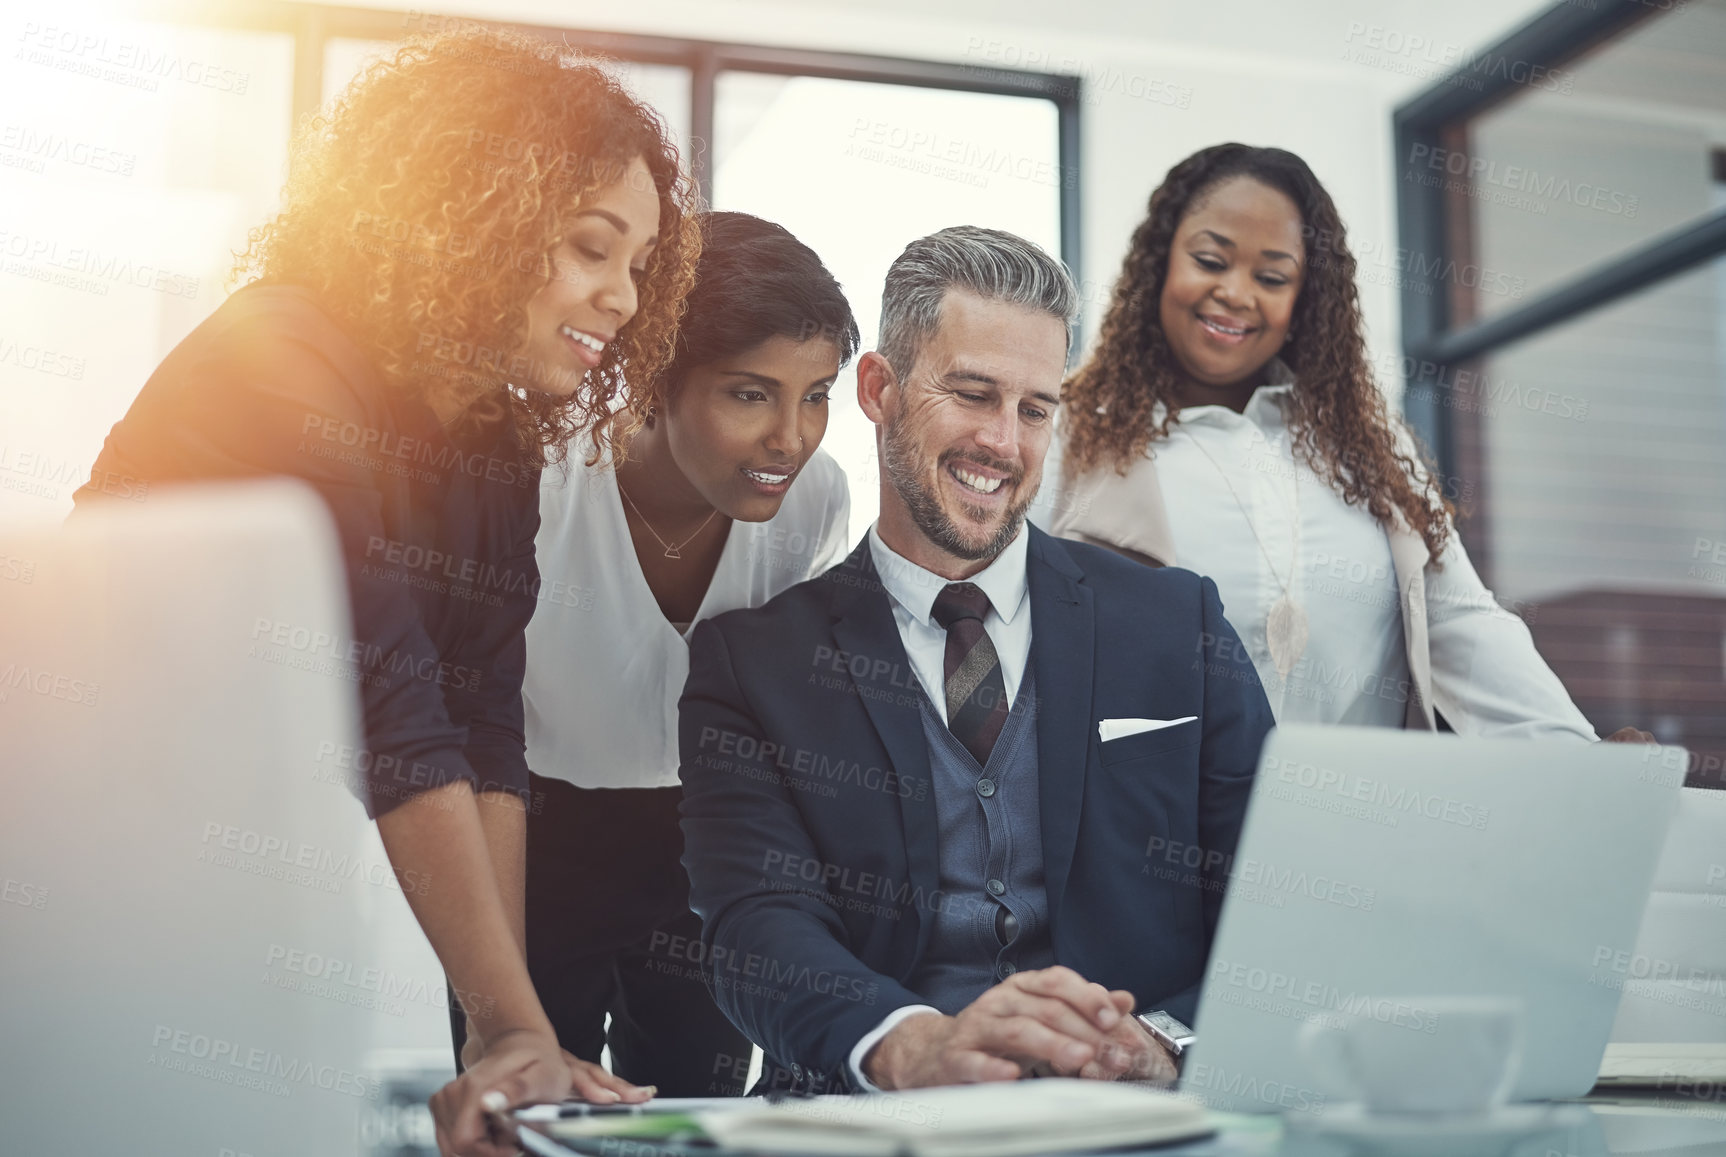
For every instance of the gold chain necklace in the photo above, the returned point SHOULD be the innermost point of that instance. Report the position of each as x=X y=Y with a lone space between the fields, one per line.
x=671 y=551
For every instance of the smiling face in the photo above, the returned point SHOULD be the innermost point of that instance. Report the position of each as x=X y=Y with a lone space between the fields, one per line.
x=1235 y=269
x=963 y=435
x=740 y=429
x=593 y=288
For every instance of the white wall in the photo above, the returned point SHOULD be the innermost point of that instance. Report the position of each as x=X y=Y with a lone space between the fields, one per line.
x=1162 y=78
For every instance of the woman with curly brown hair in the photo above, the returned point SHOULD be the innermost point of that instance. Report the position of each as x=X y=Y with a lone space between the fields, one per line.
x=474 y=242
x=1228 y=421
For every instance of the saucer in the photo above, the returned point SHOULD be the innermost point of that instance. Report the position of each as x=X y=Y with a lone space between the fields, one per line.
x=1436 y=1135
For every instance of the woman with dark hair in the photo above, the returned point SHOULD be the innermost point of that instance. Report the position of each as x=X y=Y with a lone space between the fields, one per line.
x=474 y=242
x=1228 y=421
x=720 y=500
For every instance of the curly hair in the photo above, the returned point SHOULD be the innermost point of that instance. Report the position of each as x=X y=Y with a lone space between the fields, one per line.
x=423 y=206
x=1339 y=421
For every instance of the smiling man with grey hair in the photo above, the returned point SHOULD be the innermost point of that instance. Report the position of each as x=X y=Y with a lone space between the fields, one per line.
x=987 y=262
x=922 y=792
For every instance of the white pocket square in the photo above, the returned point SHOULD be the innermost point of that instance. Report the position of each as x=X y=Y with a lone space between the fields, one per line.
x=1109 y=729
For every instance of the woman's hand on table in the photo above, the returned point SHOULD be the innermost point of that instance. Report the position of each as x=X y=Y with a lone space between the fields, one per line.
x=526 y=1067
x=592 y=1083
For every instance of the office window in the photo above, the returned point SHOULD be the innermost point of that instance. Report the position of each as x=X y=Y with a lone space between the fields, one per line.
x=1605 y=453
x=1565 y=333
x=905 y=161
x=664 y=87
x=924 y=144
x=1609 y=153
x=343 y=59
x=120 y=219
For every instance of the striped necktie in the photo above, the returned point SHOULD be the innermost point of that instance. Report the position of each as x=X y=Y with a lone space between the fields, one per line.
x=976 y=692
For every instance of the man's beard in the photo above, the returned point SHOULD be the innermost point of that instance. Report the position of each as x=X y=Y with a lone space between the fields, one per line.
x=901 y=461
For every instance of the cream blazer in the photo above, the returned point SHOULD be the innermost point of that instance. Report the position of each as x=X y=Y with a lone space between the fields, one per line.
x=1126 y=514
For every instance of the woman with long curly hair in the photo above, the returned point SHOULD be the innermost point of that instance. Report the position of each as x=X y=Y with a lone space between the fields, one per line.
x=1227 y=421
x=475 y=241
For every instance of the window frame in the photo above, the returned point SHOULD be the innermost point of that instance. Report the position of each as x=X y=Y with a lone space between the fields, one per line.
x=1434 y=343
x=312 y=26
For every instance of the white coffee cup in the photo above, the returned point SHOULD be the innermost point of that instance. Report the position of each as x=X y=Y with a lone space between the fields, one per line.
x=1455 y=1055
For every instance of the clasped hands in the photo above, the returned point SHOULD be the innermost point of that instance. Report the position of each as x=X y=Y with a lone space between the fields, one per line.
x=1046 y=1022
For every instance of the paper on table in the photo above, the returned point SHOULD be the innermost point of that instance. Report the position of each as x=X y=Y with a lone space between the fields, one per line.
x=988 y=1120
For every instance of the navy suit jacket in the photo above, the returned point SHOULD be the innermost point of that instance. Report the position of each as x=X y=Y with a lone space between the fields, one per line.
x=809 y=815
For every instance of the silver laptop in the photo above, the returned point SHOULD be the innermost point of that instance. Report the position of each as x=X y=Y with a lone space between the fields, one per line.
x=1378 y=867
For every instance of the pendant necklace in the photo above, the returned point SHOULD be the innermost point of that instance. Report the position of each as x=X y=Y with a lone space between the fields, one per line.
x=672 y=550
x=1286 y=625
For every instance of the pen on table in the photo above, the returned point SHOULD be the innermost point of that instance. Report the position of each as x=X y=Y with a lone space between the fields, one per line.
x=499 y=1125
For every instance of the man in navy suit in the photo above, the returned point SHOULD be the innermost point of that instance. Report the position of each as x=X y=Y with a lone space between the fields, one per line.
x=950 y=805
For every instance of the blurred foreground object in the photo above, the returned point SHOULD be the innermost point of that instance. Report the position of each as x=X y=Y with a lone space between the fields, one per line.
x=204 y=940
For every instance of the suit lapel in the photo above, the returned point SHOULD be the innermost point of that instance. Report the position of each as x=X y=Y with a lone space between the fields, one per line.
x=874 y=658
x=1063 y=656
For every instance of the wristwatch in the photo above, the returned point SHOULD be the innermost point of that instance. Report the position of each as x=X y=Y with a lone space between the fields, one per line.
x=1169 y=1032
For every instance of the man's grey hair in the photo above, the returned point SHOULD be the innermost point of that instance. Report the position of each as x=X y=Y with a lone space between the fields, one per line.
x=992 y=264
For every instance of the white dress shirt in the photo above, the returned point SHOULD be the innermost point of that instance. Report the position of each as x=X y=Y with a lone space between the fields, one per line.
x=1336 y=559
x=912 y=590
x=604 y=667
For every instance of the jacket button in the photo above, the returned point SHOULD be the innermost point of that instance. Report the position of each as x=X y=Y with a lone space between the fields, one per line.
x=985 y=788
x=996 y=888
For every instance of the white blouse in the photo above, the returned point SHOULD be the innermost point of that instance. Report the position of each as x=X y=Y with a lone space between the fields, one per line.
x=604 y=666
x=1289 y=526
